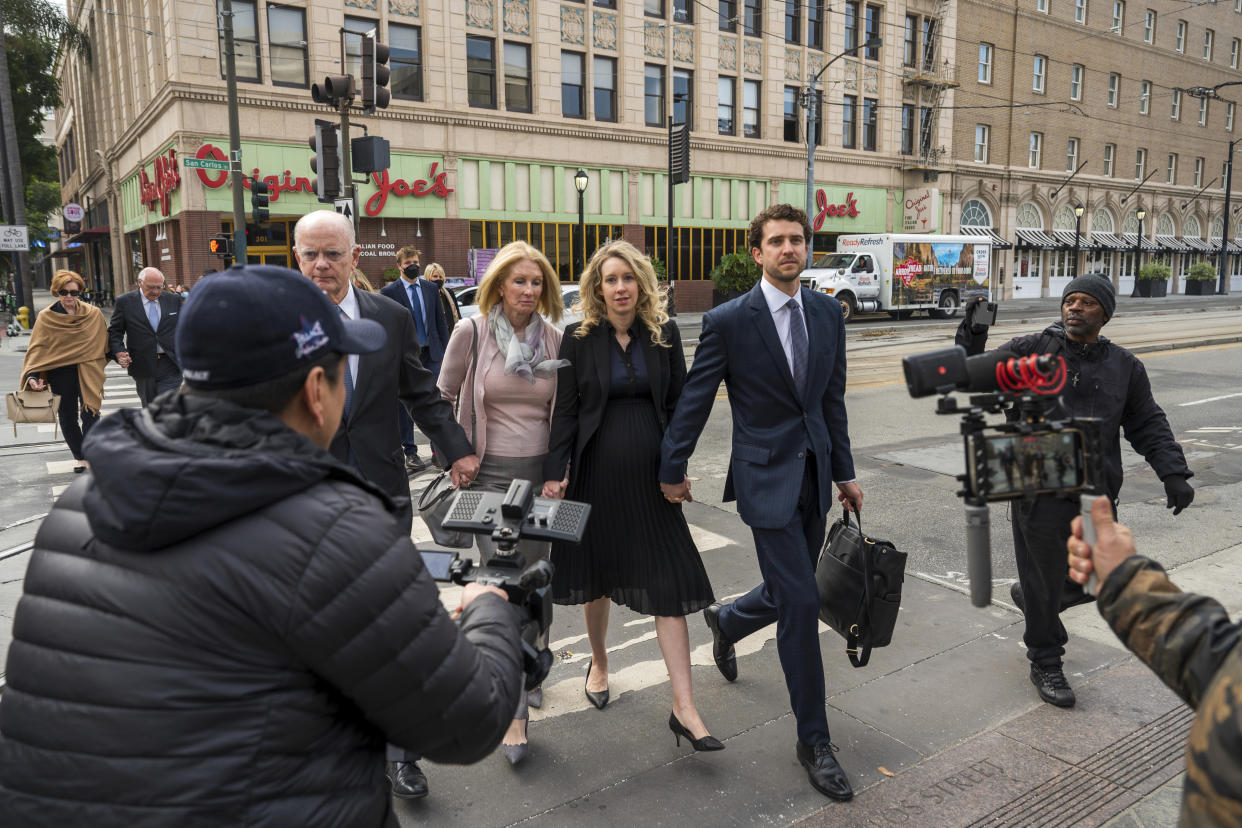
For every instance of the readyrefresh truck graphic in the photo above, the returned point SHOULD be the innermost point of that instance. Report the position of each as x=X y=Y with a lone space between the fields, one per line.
x=900 y=274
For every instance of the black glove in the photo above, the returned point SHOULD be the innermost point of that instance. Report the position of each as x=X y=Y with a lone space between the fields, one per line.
x=1179 y=492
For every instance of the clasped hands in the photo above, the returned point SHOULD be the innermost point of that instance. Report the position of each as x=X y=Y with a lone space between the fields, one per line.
x=464 y=470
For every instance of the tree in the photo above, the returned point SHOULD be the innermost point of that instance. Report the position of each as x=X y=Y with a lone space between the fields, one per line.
x=38 y=20
x=36 y=92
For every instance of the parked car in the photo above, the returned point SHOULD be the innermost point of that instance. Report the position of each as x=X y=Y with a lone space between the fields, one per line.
x=569 y=295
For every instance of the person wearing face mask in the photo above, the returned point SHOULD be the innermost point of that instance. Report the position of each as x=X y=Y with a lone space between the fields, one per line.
x=1106 y=382
x=452 y=311
x=421 y=298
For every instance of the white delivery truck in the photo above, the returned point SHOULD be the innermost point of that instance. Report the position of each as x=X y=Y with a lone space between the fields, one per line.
x=902 y=273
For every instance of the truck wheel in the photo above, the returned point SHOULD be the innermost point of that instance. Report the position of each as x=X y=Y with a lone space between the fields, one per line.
x=948 y=306
x=848 y=307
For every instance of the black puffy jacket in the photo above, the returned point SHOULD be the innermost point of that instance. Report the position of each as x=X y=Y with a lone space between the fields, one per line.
x=223 y=626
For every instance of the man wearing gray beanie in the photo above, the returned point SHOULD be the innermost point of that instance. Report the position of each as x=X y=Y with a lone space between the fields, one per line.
x=1106 y=382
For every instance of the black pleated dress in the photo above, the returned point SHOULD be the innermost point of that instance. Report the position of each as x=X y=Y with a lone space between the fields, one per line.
x=637 y=548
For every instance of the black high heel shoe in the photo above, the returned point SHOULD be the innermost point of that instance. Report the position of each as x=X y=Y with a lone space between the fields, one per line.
x=599 y=698
x=707 y=743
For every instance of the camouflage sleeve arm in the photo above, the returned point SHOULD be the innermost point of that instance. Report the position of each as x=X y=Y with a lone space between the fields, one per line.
x=1182 y=637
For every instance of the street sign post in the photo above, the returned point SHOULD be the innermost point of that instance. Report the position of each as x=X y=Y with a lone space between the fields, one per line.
x=204 y=164
x=345 y=206
x=13 y=237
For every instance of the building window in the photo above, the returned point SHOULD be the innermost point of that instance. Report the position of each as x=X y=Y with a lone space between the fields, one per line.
x=1071 y=155
x=982 y=134
x=926 y=131
x=1203 y=111
x=872 y=33
x=1171 y=175
x=1176 y=113
x=1036 y=149
x=1040 y=66
x=1076 y=82
x=1114 y=89
x=517 y=77
x=726 y=95
x=1149 y=27
x=1140 y=163
x=1080 y=11
x=480 y=72
x=1119 y=16
x=683 y=97
x=1229 y=116
x=750 y=109
x=653 y=95
x=683 y=11
x=606 y=4
x=1144 y=97
x=1209 y=38
x=1041 y=6
x=849 y=121
x=1198 y=172
x=573 y=82
x=910 y=46
x=286 y=34
x=728 y=15
x=605 y=88
x=1235 y=47
x=1180 y=42
x=793 y=22
x=985 y=63
x=869 y=123
x=1110 y=150
x=791 y=113
x=752 y=18
x=907 y=129
x=355 y=28
x=851 y=26
x=815 y=24
x=245 y=42
x=929 y=42
x=653 y=8
x=406 y=61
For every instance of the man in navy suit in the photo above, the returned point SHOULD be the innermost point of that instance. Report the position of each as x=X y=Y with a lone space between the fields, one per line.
x=422 y=299
x=142 y=335
x=780 y=350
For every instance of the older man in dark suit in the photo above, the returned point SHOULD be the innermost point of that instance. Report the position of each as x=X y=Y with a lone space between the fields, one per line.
x=142 y=335
x=781 y=351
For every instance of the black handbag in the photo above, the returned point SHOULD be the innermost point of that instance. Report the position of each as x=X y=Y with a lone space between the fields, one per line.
x=859 y=581
x=437 y=497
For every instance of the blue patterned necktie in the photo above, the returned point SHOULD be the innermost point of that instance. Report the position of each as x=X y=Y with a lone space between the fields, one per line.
x=153 y=315
x=349 y=375
x=797 y=344
x=419 y=315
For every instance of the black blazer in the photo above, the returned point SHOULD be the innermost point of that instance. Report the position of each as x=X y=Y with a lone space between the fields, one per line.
x=390 y=375
x=437 y=327
x=130 y=330
x=582 y=389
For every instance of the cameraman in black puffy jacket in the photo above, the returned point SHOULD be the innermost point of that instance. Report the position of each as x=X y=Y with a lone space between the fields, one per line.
x=223 y=625
x=1106 y=382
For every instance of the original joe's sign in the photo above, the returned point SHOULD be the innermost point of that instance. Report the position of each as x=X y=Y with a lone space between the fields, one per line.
x=435 y=184
x=167 y=178
x=920 y=211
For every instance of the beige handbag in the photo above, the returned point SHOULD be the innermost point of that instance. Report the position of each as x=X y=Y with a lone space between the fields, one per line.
x=28 y=406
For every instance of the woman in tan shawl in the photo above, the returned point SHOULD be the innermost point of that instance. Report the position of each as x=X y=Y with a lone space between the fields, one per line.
x=68 y=349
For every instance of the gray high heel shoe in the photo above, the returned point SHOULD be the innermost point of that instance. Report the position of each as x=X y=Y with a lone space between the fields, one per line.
x=516 y=753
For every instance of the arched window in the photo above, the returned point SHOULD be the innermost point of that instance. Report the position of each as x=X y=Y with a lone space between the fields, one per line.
x=975 y=214
x=1237 y=228
x=1130 y=225
x=1191 y=228
x=1029 y=217
x=1164 y=225
x=1218 y=225
x=1102 y=221
x=1065 y=219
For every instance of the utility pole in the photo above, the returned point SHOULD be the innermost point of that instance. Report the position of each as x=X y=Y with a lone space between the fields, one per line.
x=239 y=178
x=1222 y=286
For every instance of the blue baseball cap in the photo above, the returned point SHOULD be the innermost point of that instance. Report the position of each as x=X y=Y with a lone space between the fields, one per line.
x=252 y=323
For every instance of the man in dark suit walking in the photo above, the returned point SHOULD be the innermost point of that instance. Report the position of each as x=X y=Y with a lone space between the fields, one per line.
x=142 y=335
x=326 y=251
x=422 y=299
x=780 y=349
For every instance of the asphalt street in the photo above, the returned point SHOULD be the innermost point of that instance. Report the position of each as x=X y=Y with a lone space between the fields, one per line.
x=943 y=727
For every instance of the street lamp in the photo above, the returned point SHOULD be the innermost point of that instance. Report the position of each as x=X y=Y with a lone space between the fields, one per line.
x=1078 y=211
x=1213 y=92
x=1141 y=214
x=812 y=115
x=580 y=184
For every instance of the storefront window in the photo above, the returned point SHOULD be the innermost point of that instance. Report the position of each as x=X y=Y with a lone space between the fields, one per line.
x=696 y=250
x=557 y=241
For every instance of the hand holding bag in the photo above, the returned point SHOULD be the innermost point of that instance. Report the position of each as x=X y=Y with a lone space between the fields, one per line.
x=859 y=581
x=437 y=497
x=28 y=406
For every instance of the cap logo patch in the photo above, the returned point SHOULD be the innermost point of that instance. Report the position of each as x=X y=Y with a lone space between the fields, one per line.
x=310 y=339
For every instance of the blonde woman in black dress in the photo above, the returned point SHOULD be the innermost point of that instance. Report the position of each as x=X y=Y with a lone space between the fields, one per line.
x=613 y=402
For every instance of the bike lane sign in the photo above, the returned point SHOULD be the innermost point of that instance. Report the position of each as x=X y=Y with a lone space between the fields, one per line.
x=14 y=237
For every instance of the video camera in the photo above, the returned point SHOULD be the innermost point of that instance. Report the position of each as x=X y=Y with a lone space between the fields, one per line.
x=507 y=518
x=1036 y=451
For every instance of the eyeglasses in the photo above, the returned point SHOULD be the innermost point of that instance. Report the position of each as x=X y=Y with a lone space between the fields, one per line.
x=69 y=293
x=329 y=255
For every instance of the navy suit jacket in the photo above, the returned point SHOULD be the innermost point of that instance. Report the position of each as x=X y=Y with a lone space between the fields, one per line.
x=130 y=331
x=437 y=327
x=773 y=426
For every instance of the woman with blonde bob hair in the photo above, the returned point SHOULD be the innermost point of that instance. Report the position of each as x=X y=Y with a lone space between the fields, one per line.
x=68 y=351
x=614 y=400
x=501 y=368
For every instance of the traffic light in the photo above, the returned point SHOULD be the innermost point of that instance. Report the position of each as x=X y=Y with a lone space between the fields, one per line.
x=370 y=154
x=220 y=246
x=259 y=199
x=375 y=73
x=333 y=88
x=327 y=163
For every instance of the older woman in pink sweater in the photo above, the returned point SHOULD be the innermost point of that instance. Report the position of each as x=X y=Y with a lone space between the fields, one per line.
x=501 y=368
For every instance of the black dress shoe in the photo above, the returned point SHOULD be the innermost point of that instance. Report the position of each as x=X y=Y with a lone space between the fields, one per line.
x=825 y=774
x=407 y=780
x=722 y=647
x=413 y=465
x=1052 y=686
x=599 y=698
